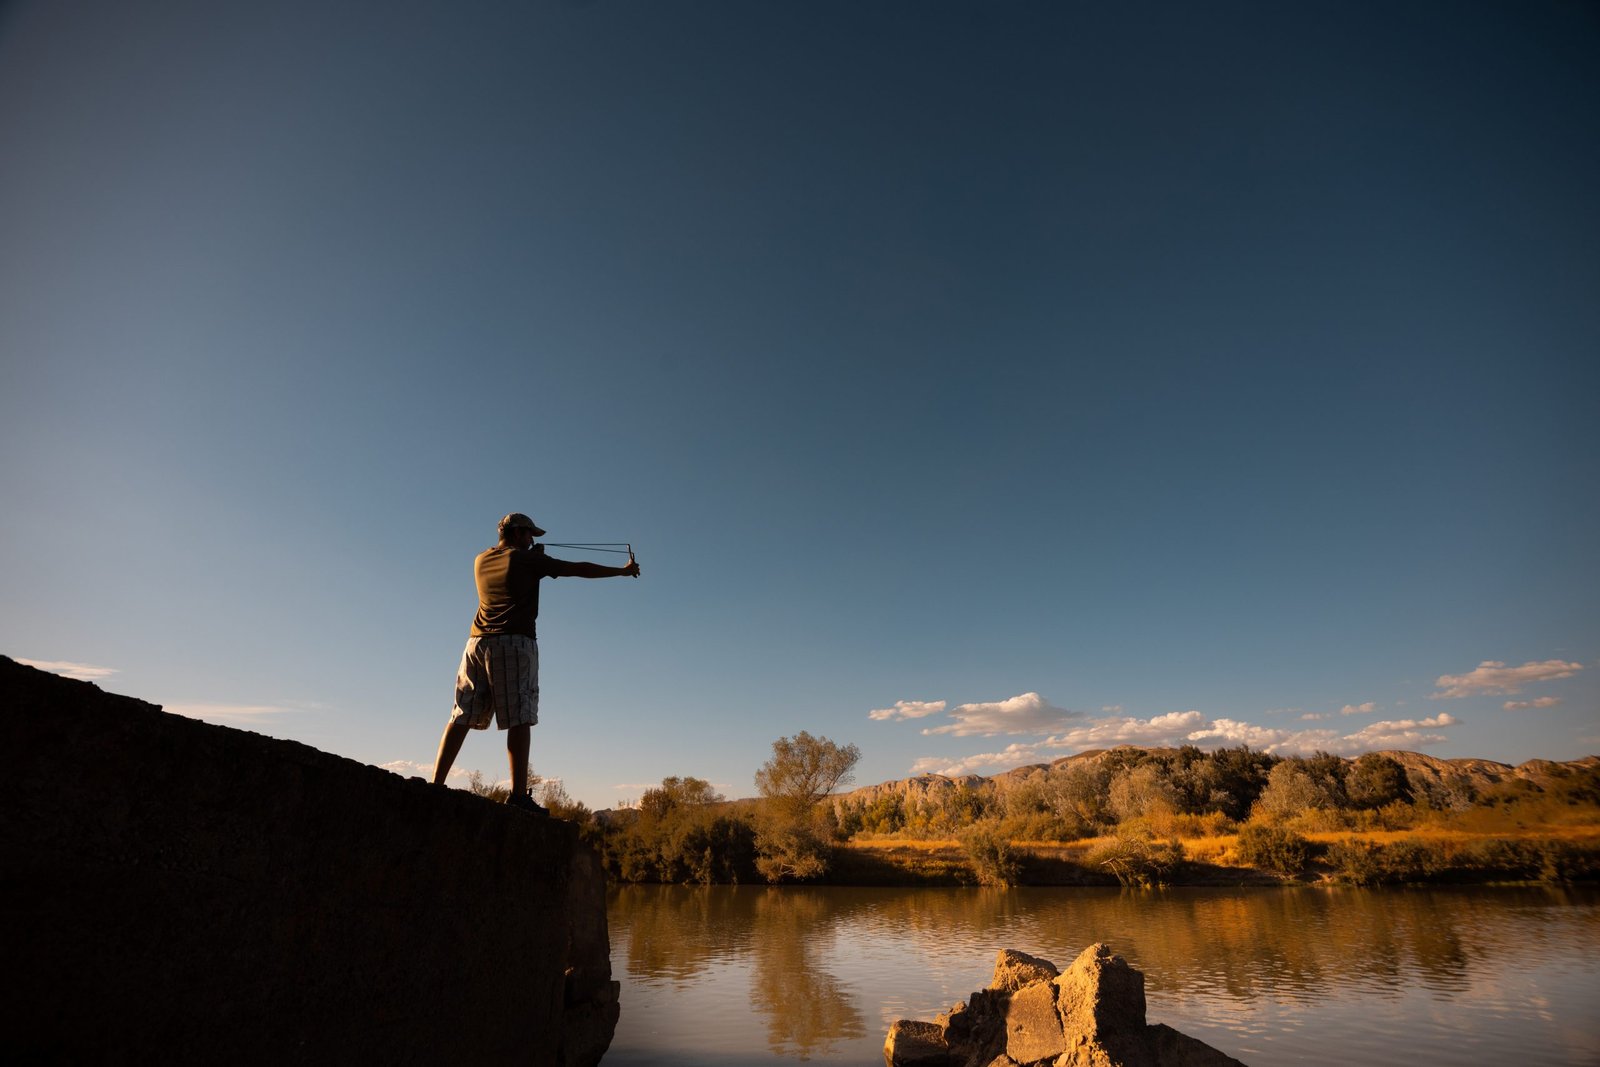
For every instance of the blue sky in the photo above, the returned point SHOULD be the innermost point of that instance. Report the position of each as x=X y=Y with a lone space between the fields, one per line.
x=977 y=383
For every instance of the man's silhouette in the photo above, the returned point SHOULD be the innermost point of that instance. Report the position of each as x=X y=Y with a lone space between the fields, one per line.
x=499 y=674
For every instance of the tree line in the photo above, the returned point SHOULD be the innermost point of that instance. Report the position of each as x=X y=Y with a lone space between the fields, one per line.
x=1137 y=803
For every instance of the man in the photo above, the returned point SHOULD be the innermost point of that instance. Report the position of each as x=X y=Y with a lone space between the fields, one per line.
x=499 y=673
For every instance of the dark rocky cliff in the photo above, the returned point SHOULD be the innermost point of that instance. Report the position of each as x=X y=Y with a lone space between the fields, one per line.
x=181 y=891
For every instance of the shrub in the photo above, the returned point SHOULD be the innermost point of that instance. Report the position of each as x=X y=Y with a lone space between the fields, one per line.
x=989 y=852
x=1356 y=862
x=1041 y=826
x=1413 y=859
x=1136 y=858
x=554 y=796
x=1210 y=824
x=495 y=791
x=1495 y=855
x=1142 y=792
x=1292 y=789
x=1569 y=861
x=787 y=849
x=1374 y=781
x=1321 y=821
x=1273 y=849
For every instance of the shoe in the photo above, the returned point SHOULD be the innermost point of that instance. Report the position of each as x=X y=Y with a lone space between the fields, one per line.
x=525 y=802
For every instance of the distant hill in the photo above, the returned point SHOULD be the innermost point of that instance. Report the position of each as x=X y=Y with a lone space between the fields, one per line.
x=1427 y=772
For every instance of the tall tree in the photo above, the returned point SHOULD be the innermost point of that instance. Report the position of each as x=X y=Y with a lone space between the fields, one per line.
x=790 y=839
x=804 y=769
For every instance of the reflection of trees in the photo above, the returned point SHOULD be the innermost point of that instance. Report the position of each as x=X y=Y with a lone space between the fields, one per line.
x=673 y=932
x=1261 y=945
x=806 y=1008
x=1248 y=944
x=678 y=932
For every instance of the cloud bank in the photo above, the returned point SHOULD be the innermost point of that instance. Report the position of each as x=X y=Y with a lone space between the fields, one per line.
x=1493 y=676
x=1068 y=732
x=1193 y=728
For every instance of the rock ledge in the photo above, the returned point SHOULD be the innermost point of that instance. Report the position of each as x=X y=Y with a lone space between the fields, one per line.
x=182 y=892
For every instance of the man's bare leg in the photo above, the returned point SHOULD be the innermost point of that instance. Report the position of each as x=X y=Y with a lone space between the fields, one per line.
x=518 y=739
x=455 y=732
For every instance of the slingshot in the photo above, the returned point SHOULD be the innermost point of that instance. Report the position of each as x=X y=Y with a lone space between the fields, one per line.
x=619 y=548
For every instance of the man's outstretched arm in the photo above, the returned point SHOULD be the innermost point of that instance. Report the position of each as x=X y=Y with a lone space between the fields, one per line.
x=568 y=569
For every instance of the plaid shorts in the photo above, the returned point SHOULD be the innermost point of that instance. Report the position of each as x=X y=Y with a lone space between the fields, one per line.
x=498 y=678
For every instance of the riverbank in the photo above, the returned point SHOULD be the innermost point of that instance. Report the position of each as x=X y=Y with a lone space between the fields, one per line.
x=1418 y=857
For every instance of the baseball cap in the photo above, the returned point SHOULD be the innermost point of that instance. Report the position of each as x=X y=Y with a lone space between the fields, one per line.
x=517 y=518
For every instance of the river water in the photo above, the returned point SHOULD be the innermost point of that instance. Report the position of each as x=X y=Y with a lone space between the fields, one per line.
x=733 y=976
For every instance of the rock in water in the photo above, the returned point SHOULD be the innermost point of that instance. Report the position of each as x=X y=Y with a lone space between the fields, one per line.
x=916 y=1044
x=1092 y=1015
x=1013 y=970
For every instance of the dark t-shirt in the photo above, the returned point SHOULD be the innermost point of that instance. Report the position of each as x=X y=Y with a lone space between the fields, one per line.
x=508 y=588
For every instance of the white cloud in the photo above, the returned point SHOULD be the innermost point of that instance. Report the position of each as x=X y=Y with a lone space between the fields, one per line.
x=1014 y=755
x=1312 y=716
x=229 y=712
x=1192 y=727
x=84 y=672
x=1112 y=709
x=907 y=709
x=1444 y=718
x=1224 y=732
x=1540 y=702
x=1167 y=729
x=1493 y=676
x=1101 y=733
x=1026 y=713
x=1359 y=709
x=406 y=768
x=1400 y=733
x=1403 y=733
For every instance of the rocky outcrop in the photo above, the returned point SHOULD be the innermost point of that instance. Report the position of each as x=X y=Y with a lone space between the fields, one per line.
x=181 y=891
x=1032 y=1016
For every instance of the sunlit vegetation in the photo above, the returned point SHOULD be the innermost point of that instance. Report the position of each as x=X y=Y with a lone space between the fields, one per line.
x=1135 y=856
x=794 y=829
x=1129 y=816
x=990 y=852
x=683 y=831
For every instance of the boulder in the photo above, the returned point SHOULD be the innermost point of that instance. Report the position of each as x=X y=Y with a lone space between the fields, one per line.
x=1013 y=970
x=916 y=1044
x=1100 y=996
x=1033 y=1026
x=1091 y=1015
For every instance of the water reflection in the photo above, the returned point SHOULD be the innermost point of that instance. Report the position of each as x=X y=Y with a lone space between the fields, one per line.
x=806 y=1008
x=674 y=933
x=1269 y=976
